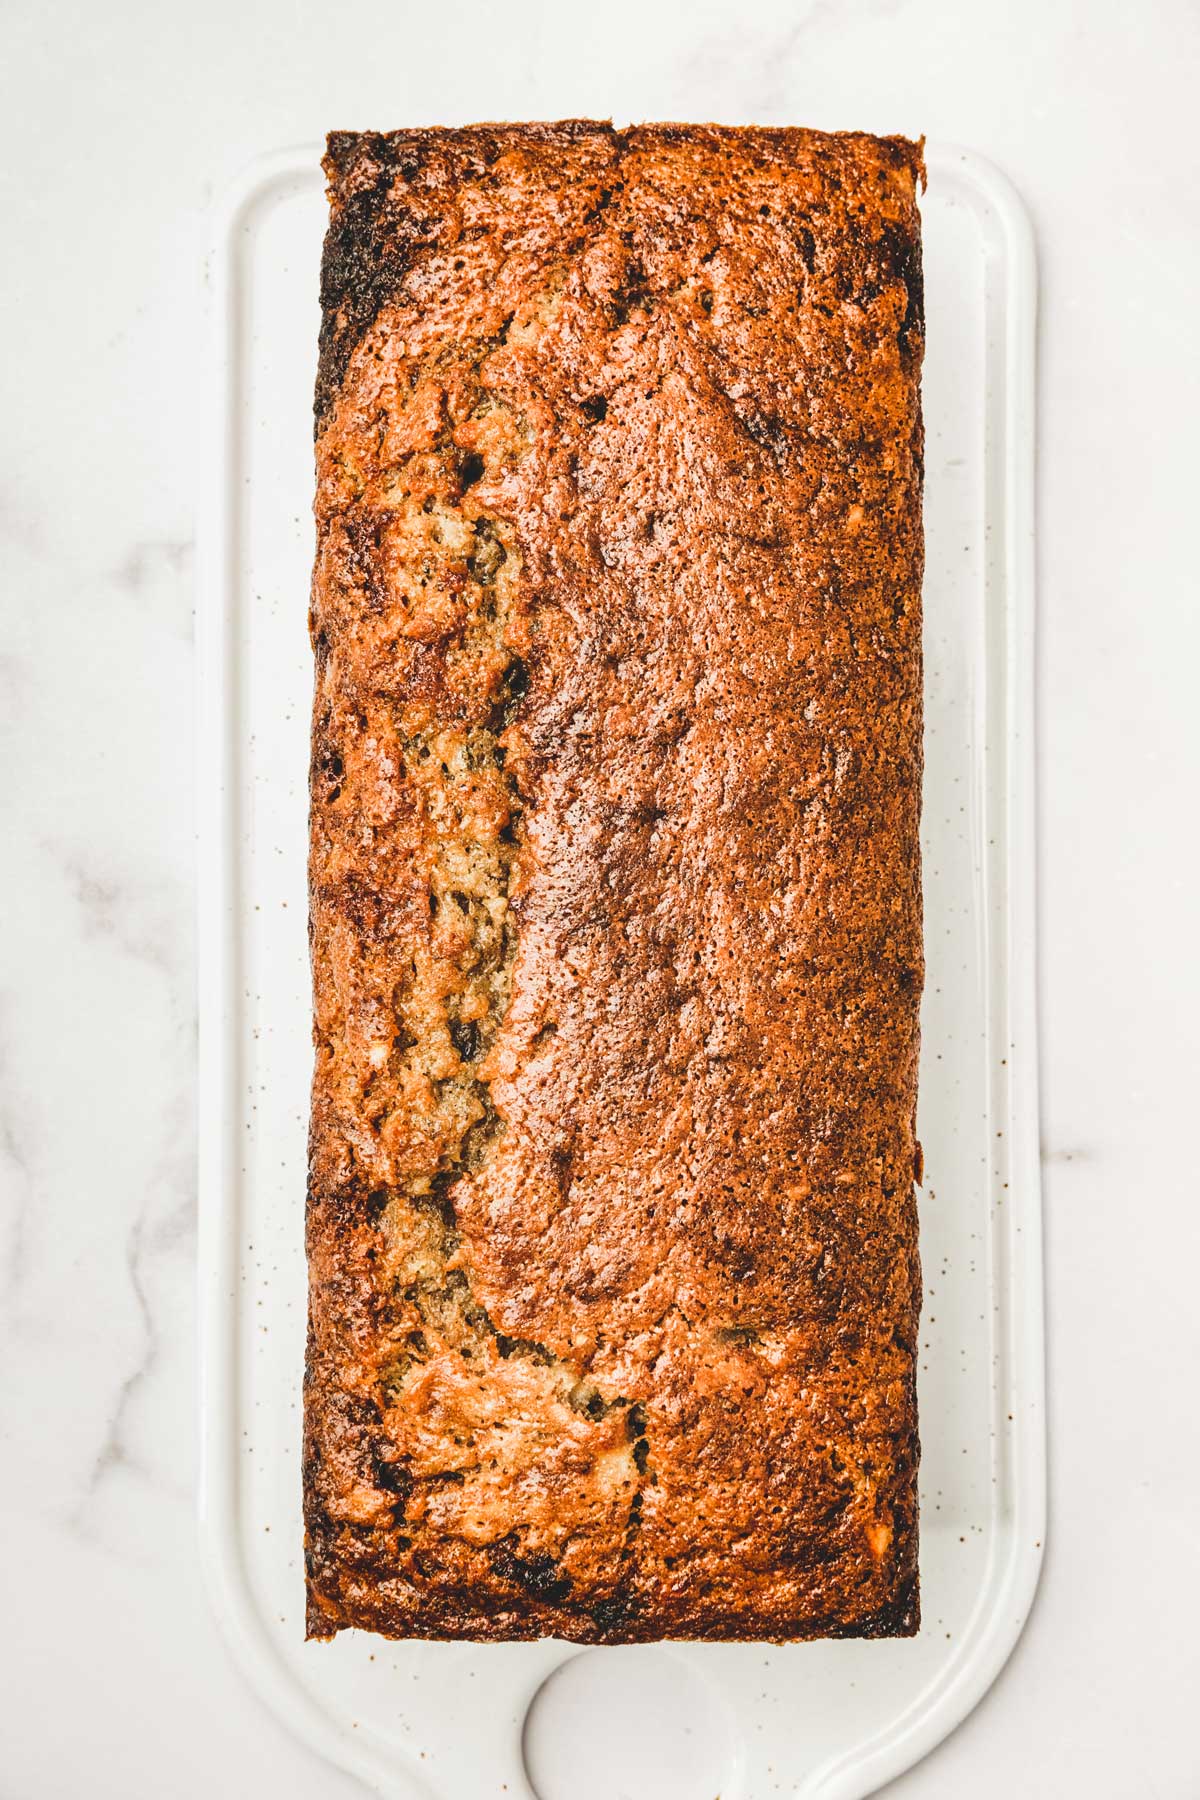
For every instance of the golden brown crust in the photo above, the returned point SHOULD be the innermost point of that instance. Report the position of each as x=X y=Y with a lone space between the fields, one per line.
x=615 y=887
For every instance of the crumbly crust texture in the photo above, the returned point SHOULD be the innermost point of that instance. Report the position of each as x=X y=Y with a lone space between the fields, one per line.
x=615 y=892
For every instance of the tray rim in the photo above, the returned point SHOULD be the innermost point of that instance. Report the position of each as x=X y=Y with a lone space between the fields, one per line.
x=1008 y=1591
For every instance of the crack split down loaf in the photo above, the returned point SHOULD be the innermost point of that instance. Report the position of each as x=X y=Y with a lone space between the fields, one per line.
x=615 y=887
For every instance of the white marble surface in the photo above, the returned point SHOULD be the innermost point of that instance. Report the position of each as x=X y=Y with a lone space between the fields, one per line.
x=122 y=121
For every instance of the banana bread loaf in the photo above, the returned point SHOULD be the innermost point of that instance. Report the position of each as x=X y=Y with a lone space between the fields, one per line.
x=615 y=888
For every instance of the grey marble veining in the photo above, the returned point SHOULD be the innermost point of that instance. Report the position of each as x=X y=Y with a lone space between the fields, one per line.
x=123 y=122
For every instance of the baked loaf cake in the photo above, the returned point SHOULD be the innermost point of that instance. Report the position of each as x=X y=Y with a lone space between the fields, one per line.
x=615 y=890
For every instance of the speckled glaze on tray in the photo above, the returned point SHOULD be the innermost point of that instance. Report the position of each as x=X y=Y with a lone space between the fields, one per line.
x=460 y=1722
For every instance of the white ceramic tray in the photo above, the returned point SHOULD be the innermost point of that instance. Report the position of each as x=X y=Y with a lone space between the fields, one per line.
x=466 y=1722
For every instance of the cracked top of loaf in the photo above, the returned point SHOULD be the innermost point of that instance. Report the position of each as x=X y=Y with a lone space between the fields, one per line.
x=615 y=892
